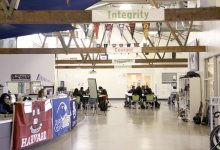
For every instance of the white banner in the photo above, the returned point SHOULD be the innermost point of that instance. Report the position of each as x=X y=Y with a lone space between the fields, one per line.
x=113 y=50
x=127 y=15
x=123 y=61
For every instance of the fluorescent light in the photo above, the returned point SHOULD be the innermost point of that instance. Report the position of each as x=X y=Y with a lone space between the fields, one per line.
x=125 y=7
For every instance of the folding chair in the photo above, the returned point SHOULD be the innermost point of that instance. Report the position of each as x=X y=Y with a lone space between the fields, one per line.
x=135 y=98
x=91 y=105
x=150 y=100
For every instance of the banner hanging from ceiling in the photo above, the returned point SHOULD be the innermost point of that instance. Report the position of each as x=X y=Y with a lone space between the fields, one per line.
x=121 y=28
x=134 y=15
x=108 y=28
x=146 y=27
x=132 y=28
x=120 y=50
x=96 y=29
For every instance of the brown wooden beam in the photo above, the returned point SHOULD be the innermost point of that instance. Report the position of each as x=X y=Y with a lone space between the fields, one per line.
x=81 y=16
x=133 y=66
x=98 y=50
x=83 y=61
x=161 y=60
x=179 y=60
x=174 y=49
x=195 y=14
x=47 y=17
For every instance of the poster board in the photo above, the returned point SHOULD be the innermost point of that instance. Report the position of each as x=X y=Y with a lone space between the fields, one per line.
x=92 y=88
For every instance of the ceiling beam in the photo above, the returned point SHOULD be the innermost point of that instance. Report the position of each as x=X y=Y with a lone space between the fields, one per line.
x=179 y=60
x=81 y=16
x=133 y=66
x=98 y=50
x=192 y=14
x=47 y=17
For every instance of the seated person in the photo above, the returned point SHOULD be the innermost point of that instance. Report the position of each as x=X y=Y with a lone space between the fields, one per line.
x=138 y=91
x=82 y=92
x=148 y=90
x=6 y=106
x=77 y=93
x=132 y=89
x=42 y=94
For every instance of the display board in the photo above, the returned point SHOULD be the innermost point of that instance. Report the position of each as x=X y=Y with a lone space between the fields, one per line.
x=168 y=78
x=32 y=123
x=92 y=88
x=61 y=116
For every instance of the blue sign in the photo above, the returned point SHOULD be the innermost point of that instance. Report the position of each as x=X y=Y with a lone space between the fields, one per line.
x=61 y=116
x=73 y=106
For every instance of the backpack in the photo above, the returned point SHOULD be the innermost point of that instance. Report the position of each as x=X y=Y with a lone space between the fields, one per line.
x=157 y=105
x=103 y=106
x=126 y=104
x=197 y=119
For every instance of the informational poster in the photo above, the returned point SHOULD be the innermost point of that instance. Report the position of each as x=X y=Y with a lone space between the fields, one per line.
x=61 y=116
x=73 y=107
x=32 y=124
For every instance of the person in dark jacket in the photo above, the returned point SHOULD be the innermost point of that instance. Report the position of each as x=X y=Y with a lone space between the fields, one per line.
x=132 y=89
x=6 y=106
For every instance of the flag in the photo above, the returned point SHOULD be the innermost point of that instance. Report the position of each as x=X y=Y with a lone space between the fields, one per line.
x=121 y=28
x=108 y=28
x=159 y=25
x=86 y=29
x=42 y=78
x=96 y=29
x=132 y=27
x=146 y=27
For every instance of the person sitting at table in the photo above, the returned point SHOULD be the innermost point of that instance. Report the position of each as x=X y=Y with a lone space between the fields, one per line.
x=82 y=92
x=148 y=90
x=6 y=106
x=42 y=94
x=132 y=89
x=77 y=93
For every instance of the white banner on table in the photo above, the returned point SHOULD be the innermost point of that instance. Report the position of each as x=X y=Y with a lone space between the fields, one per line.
x=119 y=50
x=128 y=15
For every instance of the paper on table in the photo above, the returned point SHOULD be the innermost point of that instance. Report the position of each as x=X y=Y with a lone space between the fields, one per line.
x=28 y=107
x=47 y=105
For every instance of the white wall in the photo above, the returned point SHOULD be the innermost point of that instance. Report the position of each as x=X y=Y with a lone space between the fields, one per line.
x=115 y=80
x=27 y=64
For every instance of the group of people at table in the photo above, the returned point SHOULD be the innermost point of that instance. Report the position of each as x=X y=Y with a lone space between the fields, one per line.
x=141 y=91
x=84 y=96
x=6 y=104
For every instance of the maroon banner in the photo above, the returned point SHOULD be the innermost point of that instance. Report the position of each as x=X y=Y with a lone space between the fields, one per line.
x=108 y=28
x=132 y=28
x=32 y=123
x=96 y=29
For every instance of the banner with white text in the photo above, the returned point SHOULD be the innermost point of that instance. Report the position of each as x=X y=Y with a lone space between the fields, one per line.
x=32 y=123
x=120 y=50
x=134 y=15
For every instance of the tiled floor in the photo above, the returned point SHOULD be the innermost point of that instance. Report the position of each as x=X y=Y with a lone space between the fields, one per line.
x=132 y=129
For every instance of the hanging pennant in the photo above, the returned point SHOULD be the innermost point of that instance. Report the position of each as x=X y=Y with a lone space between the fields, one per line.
x=146 y=27
x=159 y=25
x=96 y=29
x=121 y=28
x=108 y=28
x=86 y=29
x=132 y=28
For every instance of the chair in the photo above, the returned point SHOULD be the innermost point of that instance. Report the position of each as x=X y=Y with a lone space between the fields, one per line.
x=78 y=101
x=91 y=105
x=150 y=99
x=135 y=98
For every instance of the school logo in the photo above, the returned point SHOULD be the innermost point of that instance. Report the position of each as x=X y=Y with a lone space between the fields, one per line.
x=63 y=117
x=36 y=119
